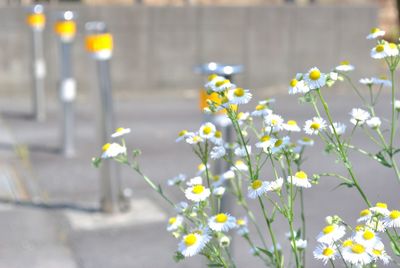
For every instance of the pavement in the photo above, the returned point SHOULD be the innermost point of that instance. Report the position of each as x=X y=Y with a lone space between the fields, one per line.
x=49 y=204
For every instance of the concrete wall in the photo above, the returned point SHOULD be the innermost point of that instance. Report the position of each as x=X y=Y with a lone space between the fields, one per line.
x=157 y=47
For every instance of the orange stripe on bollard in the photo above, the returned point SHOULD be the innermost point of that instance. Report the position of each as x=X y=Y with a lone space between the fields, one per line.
x=214 y=97
x=36 y=20
x=99 y=42
x=65 y=28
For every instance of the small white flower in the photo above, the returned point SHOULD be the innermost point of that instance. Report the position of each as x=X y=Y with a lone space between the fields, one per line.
x=300 y=179
x=212 y=80
x=239 y=96
x=379 y=51
x=374 y=122
x=397 y=105
x=177 y=180
x=331 y=233
x=275 y=186
x=344 y=66
x=325 y=253
x=314 y=126
x=300 y=244
x=340 y=128
x=222 y=222
x=392 y=220
x=183 y=135
x=392 y=49
x=192 y=244
x=207 y=130
x=261 y=110
x=359 y=116
x=291 y=125
x=381 y=81
x=111 y=150
x=365 y=215
x=380 y=208
x=356 y=254
x=224 y=241
x=266 y=142
x=201 y=168
x=223 y=85
x=219 y=191
x=315 y=79
x=298 y=86
x=240 y=165
x=241 y=151
x=174 y=223
x=366 y=237
x=280 y=144
x=120 y=132
x=197 y=193
x=217 y=138
x=194 y=139
x=375 y=33
x=217 y=180
x=378 y=253
x=243 y=117
x=228 y=175
x=194 y=181
x=257 y=188
x=306 y=141
x=274 y=123
x=217 y=152
x=375 y=224
x=366 y=81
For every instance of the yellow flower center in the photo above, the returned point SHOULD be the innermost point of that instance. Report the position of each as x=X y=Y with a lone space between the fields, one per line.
x=379 y=48
x=260 y=107
x=381 y=205
x=292 y=123
x=207 y=130
x=306 y=139
x=293 y=82
x=392 y=45
x=190 y=240
x=394 y=214
x=315 y=126
x=368 y=235
x=315 y=75
x=212 y=77
x=201 y=167
x=256 y=184
x=265 y=138
x=377 y=252
x=182 y=133
x=345 y=62
x=359 y=227
x=278 y=143
x=198 y=189
x=218 y=134
x=221 y=83
x=301 y=175
x=221 y=218
x=106 y=146
x=241 y=222
x=120 y=129
x=239 y=163
x=274 y=122
x=365 y=212
x=328 y=229
x=239 y=92
x=374 y=30
x=347 y=243
x=172 y=220
x=215 y=178
x=328 y=252
x=196 y=139
x=382 y=76
x=358 y=248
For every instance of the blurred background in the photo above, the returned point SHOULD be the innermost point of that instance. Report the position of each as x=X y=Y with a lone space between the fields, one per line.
x=52 y=203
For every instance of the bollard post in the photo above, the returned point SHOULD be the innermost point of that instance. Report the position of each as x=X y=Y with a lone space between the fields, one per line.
x=99 y=44
x=37 y=20
x=65 y=28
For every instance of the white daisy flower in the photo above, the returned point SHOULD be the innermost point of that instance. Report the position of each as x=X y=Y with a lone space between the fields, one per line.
x=378 y=253
x=300 y=244
x=379 y=51
x=111 y=150
x=242 y=117
x=274 y=123
x=366 y=237
x=183 y=135
x=194 y=181
x=218 y=180
x=298 y=86
x=241 y=224
x=228 y=175
x=376 y=224
x=393 y=219
x=380 y=208
x=314 y=126
x=192 y=244
x=224 y=241
x=217 y=152
x=176 y=180
x=197 y=193
x=241 y=151
x=257 y=188
x=300 y=179
x=382 y=81
x=392 y=49
x=315 y=79
x=306 y=141
x=207 y=130
x=222 y=222
x=194 y=139
x=174 y=223
x=212 y=80
x=201 y=168
x=356 y=255
x=397 y=105
x=365 y=215
x=291 y=125
x=223 y=85
x=240 y=165
x=275 y=186
x=219 y=191
x=366 y=81
x=325 y=253
x=266 y=142
x=280 y=144
x=375 y=33
x=239 y=96
x=331 y=233
x=340 y=128
x=261 y=110
x=344 y=66
x=374 y=122
x=359 y=116
x=120 y=132
x=217 y=138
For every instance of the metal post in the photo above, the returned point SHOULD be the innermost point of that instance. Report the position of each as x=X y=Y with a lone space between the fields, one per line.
x=65 y=28
x=99 y=44
x=37 y=20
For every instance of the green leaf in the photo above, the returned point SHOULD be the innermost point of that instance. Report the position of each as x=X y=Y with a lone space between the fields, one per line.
x=394 y=248
x=266 y=252
x=215 y=265
x=96 y=162
x=178 y=256
x=348 y=184
x=382 y=160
